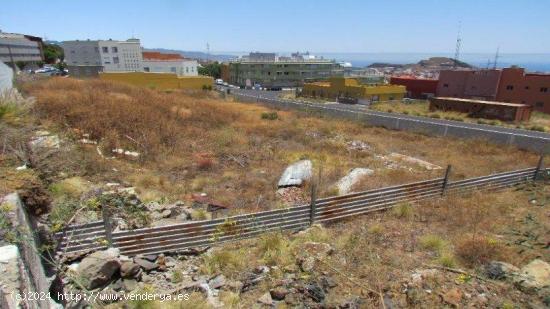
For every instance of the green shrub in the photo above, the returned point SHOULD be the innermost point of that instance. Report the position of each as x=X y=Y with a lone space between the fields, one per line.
x=403 y=210
x=447 y=260
x=537 y=128
x=432 y=242
x=436 y=116
x=270 y=115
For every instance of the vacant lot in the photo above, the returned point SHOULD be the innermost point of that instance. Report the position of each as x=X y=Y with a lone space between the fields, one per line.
x=539 y=121
x=195 y=142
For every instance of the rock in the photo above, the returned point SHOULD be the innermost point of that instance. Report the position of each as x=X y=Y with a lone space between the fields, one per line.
x=170 y=261
x=149 y=257
x=296 y=173
x=98 y=268
x=217 y=282
x=412 y=160
x=307 y=264
x=129 y=269
x=315 y=292
x=317 y=249
x=278 y=293
x=352 y=303
x=129 y=285
x=261 y=270
x=233 y=285
x=327 y=283
x=292 y=299
x=346 y=183
x=453 y=297
x=108 y=295
x=533 y=276
x=266 y=299
x=166 y=213
x=500 y=270
x=44 y=139
x=145 y=264
x=358 y=145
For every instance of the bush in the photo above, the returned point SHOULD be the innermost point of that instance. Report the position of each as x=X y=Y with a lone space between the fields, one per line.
x=270 y=115
x=447 y=260
x=538 y=128
x=403 y=210
x=436 y=116
x=478 y=250
x=223 y=261
x=432 y=242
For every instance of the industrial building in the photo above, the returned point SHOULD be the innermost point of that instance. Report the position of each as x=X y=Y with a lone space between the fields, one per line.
x=157 y=62
x=417 y=88
x=20 y=48
x=482 y=109
x=270 y=71
x=89 y=58
x=349 y=88
x=509 y=85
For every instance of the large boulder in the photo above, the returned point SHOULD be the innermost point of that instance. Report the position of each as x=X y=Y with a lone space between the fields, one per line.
x=296 y=174
x=534 y=276
x=346 y=183
x=98 y=268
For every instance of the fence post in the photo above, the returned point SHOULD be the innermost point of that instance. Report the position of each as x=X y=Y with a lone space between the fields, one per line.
x=107 y=224
x=313 y=202
x=539 y=167
x=446 y=180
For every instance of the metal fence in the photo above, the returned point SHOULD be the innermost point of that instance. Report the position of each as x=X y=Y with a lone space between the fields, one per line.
x=93 y=236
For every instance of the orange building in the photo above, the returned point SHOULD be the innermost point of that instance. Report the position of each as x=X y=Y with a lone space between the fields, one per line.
x=528 y=88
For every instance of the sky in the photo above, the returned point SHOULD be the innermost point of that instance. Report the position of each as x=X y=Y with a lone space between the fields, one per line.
x=355 y=26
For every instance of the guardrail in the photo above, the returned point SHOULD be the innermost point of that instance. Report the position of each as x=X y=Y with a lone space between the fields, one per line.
x=172 y=238
x=523 y=139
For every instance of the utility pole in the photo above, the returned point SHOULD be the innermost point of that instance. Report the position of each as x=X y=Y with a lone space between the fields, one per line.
x=207 y=52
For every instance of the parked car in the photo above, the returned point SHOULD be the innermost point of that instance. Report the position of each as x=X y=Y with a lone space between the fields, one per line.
x=219 y=81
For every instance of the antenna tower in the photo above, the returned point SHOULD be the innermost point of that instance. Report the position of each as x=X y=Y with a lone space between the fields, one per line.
x=458 y=45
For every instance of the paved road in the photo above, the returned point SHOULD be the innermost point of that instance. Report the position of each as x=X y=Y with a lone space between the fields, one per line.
x=274 y=95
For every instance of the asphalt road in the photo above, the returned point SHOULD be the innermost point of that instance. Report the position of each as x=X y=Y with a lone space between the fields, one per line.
x=274 y=95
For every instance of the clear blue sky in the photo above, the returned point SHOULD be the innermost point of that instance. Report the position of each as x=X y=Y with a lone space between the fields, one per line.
x=517 y=26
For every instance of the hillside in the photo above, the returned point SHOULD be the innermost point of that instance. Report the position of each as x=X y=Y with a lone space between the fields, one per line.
x=74 y=148
x=433 y=63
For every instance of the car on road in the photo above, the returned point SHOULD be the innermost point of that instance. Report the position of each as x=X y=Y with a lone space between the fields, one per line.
x=219 y=81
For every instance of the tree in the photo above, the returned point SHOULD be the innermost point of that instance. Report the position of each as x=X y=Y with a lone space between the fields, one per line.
x=53 y=53
x=213 y=69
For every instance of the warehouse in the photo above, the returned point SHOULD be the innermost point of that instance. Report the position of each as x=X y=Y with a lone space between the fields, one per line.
x=350 y=88
x=483 y=109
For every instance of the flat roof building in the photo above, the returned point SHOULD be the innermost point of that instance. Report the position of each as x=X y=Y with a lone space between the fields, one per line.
x=20 y=48
x=89 y=58
x=417 y=88
x=482 y=109
x=271 y=71
x=157 y=62
x=351 y=88
x=511 y=85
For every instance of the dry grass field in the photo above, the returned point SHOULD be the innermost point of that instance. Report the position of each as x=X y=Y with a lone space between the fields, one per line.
x=195 y=142
x=538 y=122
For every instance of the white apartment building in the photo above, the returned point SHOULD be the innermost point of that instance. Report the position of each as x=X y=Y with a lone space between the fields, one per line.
x=88 y=58
x=156 y=62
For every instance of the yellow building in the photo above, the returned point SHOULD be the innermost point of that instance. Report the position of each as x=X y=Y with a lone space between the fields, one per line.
x=341 y=87
x=162 y=81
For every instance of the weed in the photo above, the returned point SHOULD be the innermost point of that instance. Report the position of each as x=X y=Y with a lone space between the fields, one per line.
x=478 y=250
x=436 y=116
x=224 y=261
x=447 y=260
x=177 y=276
x=403 y=210
x=538 y=128
x=432 y=242
x=376 y=229
x=270 y=115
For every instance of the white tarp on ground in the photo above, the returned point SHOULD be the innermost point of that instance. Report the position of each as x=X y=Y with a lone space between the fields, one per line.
x=6 y=77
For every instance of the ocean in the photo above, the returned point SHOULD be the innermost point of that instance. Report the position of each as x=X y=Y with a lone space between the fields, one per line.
x=531 y=62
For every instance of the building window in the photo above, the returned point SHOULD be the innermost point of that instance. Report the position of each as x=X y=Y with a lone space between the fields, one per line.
x=526 y=87
x=115 y=60
x=173 y=69
x=105 y=49
x=445 y=85
x=187 y=70
x=544 y=89
x=146 y=69
x=510 y=87
x=114 y=49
